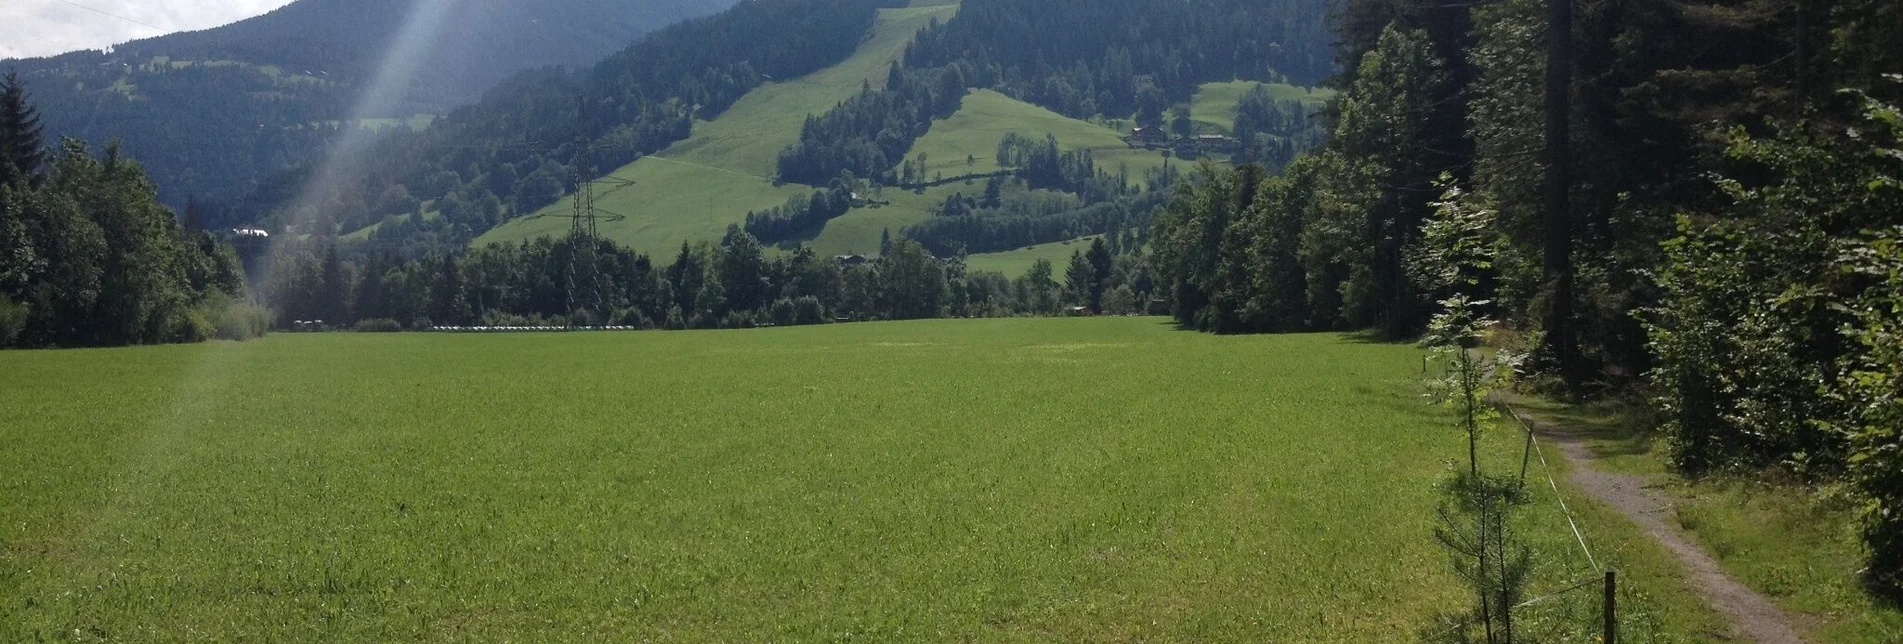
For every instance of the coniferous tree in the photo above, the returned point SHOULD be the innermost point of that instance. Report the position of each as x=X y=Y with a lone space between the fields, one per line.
x=1078 y=279
x=1100 y=267
x=22 y=152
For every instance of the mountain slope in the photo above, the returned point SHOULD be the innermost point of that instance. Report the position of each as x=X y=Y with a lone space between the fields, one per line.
x=696 y=187
x=210 y=113
x=966 y=144
x=725 y=120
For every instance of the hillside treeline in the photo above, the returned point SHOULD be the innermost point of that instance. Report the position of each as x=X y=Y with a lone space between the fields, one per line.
x=1081 y=58
x=88 y=257
x=730 y=284
x=217 y=111
x=1700 y=205
x=1047 y=195
x=518 y=144
x=1120 y=59
x=868 y=134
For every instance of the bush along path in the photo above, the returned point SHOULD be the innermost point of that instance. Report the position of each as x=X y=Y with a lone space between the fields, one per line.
x=1753 y=616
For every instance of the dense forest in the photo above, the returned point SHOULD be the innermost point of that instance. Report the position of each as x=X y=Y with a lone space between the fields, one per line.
x=1693 y=201
x=216 y=112
x=88 y=257
x=734 y=283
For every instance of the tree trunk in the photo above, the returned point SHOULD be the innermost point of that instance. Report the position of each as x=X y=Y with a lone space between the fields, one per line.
x=1561 y=341
x=1802 y=56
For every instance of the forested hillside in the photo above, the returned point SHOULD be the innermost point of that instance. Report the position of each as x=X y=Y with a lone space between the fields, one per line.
x=1081 y=59
x=423 y=196
x=216 y=111
x=527 y=160
x=513 y=151
x=1695 y=201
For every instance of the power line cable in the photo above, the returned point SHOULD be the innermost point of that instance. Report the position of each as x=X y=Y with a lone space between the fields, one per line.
x=114 y=15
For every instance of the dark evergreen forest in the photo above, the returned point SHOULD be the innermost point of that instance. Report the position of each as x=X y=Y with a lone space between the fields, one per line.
x=215 y=112
x=1692 y=203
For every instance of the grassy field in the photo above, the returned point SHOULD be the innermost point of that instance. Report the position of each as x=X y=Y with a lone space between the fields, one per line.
x=1796 y=545
x=972 y=135
x=364 y=233
x=985 y=116
x=1018 y=262
x=1016 y=480
x=1214 y=106
x=859 y=230
x=695 y=188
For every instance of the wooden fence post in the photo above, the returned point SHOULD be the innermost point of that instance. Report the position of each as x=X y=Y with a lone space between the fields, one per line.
x=1612 y=602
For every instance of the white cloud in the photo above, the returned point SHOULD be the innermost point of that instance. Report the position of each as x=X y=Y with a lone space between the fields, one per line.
x=30 y=28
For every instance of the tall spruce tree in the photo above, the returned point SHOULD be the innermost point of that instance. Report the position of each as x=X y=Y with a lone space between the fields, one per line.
x=22 y=151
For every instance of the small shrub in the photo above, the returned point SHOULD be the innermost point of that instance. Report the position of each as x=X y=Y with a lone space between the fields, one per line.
x=808 y=310
x=630 y=317
x=378 y=325
x=781 y=312
x=738 y=320
x=192 y=325
x=422 y=323
x=235 y=320
x=13 y=316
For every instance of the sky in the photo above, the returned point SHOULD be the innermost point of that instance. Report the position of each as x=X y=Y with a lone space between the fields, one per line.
x=32 y=28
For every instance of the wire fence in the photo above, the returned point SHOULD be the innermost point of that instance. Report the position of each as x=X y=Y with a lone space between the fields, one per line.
x=1546 y=468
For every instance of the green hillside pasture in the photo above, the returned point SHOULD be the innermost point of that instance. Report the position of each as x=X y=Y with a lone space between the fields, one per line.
x=974 y=131
x=1103 y=479
x=749 y=136
x=859 y=230
x=972 y=134
x=723 y=170
x=984 y=118
x=670 y=202
x=1013 y=263
x=364 y=233
x=1214 y=106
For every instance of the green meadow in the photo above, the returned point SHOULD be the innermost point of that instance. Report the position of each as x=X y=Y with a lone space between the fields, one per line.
x=1000 y=480
x=1214 y=105
x=695 y=188
x=1013 y=263
x=967 y=142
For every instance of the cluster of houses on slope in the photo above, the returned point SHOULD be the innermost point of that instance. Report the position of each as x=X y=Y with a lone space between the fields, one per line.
x=1185 y=147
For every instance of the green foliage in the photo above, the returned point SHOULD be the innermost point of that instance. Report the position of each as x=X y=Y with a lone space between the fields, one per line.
x=1228 y=250
x=378 y=325
x=22 y=151
x=1457 y=246
x=236 y=320
x=13 y=320
x=1775 y=334
x=1874 y=383
x=1477 y=527
x=87 y=247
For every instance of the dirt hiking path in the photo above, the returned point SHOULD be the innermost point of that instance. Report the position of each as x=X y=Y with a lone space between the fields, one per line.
x=1753 y=617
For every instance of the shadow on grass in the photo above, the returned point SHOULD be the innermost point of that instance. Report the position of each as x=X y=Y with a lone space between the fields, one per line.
x=1369 y=336
x=1361 y=336
x=1612 y=428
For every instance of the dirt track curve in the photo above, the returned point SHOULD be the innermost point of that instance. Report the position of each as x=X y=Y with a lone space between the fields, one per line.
x=1753 y=617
